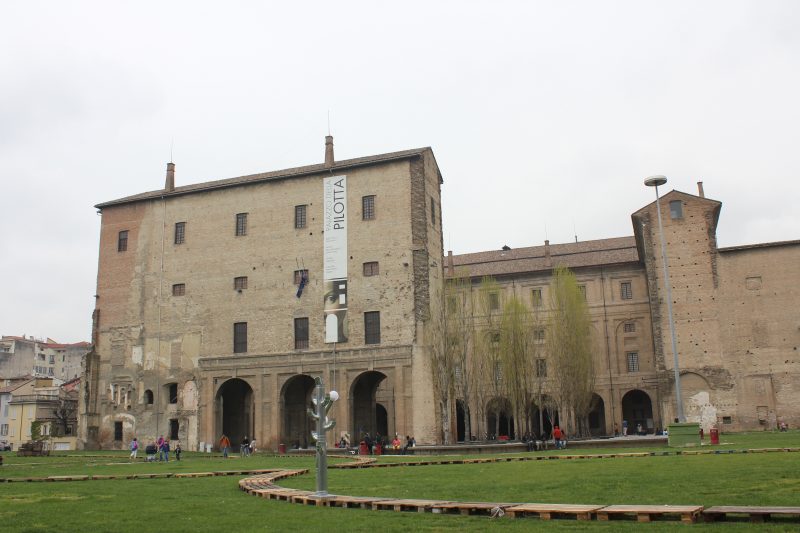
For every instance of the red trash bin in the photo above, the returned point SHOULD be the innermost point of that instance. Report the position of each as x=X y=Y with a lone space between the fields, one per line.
x=378 y=449
x=714 y=436
x=282 y=449
x=362 y=448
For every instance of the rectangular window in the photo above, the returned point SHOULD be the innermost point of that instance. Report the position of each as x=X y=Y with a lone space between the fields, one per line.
x=452 y=304
x=4 y=430
x=179 y=289
x=50 y=371
x=626 y=292
x=368 y=207
x=122 y=241
x=52 y=359
x=494 y=301
x=299 y=275
x=539 y=335
x=241 y=224
x=240 y=337
x=371 y=268
x=173 y=429
x=629 y=327
x=372 y=327
x=727 y=420
x=172 y=392
x=676 y=209
x=433 y=213
x=117 y=430
x=536 y=296
x=582 y=290
x=633 y=361
x=498 y=373
x=299 y=216
x=240 y=283
x=180 y=232
x=541 y=368
x=301 y=333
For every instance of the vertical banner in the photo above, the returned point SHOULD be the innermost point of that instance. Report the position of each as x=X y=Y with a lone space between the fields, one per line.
x=335 y=258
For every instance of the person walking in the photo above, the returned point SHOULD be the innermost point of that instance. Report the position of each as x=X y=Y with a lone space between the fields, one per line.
x=160 y=444
x=224 y=445
x=134 y=448
x=557 y=437
x=178 y=451
x=165 y=450
x=252 y=448
x=624 y=428
x=244 y=447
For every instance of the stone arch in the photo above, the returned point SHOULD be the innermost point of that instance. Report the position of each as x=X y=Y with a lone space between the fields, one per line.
x=597 y=416
x=296 y=397
x=500 y=418
x=234 y=410
x=637 y=408
x=368 y=391
x=544 y=416
x=461 y=415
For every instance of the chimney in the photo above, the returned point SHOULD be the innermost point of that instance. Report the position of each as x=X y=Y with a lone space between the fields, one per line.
x=450 y=268
x=169 y=184
x=328 y=151
x=547 y=257
x=700 y=191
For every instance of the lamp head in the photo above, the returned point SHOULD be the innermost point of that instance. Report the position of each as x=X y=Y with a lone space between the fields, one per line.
x=655 y=181
x=333 y=395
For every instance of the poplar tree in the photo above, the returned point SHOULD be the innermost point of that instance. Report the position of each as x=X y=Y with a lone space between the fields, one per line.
x=458 y=324
x=569 y=347
x=487 y=366
x=516 y=355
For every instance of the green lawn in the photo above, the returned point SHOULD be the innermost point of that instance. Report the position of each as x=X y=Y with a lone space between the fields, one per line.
x=209 y=504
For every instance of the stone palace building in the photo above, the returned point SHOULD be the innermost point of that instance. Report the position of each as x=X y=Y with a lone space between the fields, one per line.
x=218 y=304
x=214 y=301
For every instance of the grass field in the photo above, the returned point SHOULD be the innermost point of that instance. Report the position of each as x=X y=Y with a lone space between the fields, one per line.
x=213 y=504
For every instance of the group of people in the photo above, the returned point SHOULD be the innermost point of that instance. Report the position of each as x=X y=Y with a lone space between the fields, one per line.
x=639 y=429
x=246 y=448
x=379 y=444
x=156 y=450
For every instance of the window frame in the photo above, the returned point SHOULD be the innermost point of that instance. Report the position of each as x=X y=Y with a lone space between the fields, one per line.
x=368 y=207
x=301 y=333
x=632 y=362
x=298 y=274
x=240 y=337
x=371 y=268
x=372 y=327
x=300 y=216
x=536 y=298
x=629 y=327
x=626 y=290
x=241 y=225
x=180 y=233
x=493 y=300
x=240 y=283
x=179 y=289
x=675 y=214
x=122 y=241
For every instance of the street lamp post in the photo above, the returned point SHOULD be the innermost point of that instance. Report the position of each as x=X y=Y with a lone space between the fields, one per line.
x=322 y=404
x=655 y=181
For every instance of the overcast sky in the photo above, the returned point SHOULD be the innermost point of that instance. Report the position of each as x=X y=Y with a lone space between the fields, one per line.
x=543 y=116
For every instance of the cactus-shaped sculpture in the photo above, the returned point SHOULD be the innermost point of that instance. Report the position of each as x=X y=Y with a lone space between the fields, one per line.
x=322 y=404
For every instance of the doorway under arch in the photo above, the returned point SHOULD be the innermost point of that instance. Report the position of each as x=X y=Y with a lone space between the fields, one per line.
x=461 y=415
x=544 y=417
x=597 y=416
x=368 y=416
x=295 y=401
x=637 y=409
x=234 y=409
x=499 y=419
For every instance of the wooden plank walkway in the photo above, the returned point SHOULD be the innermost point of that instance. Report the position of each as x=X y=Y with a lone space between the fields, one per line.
x=645 y=513
x=755 y=514
x=406 y=505
x=471 y=508
x=548 y=511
